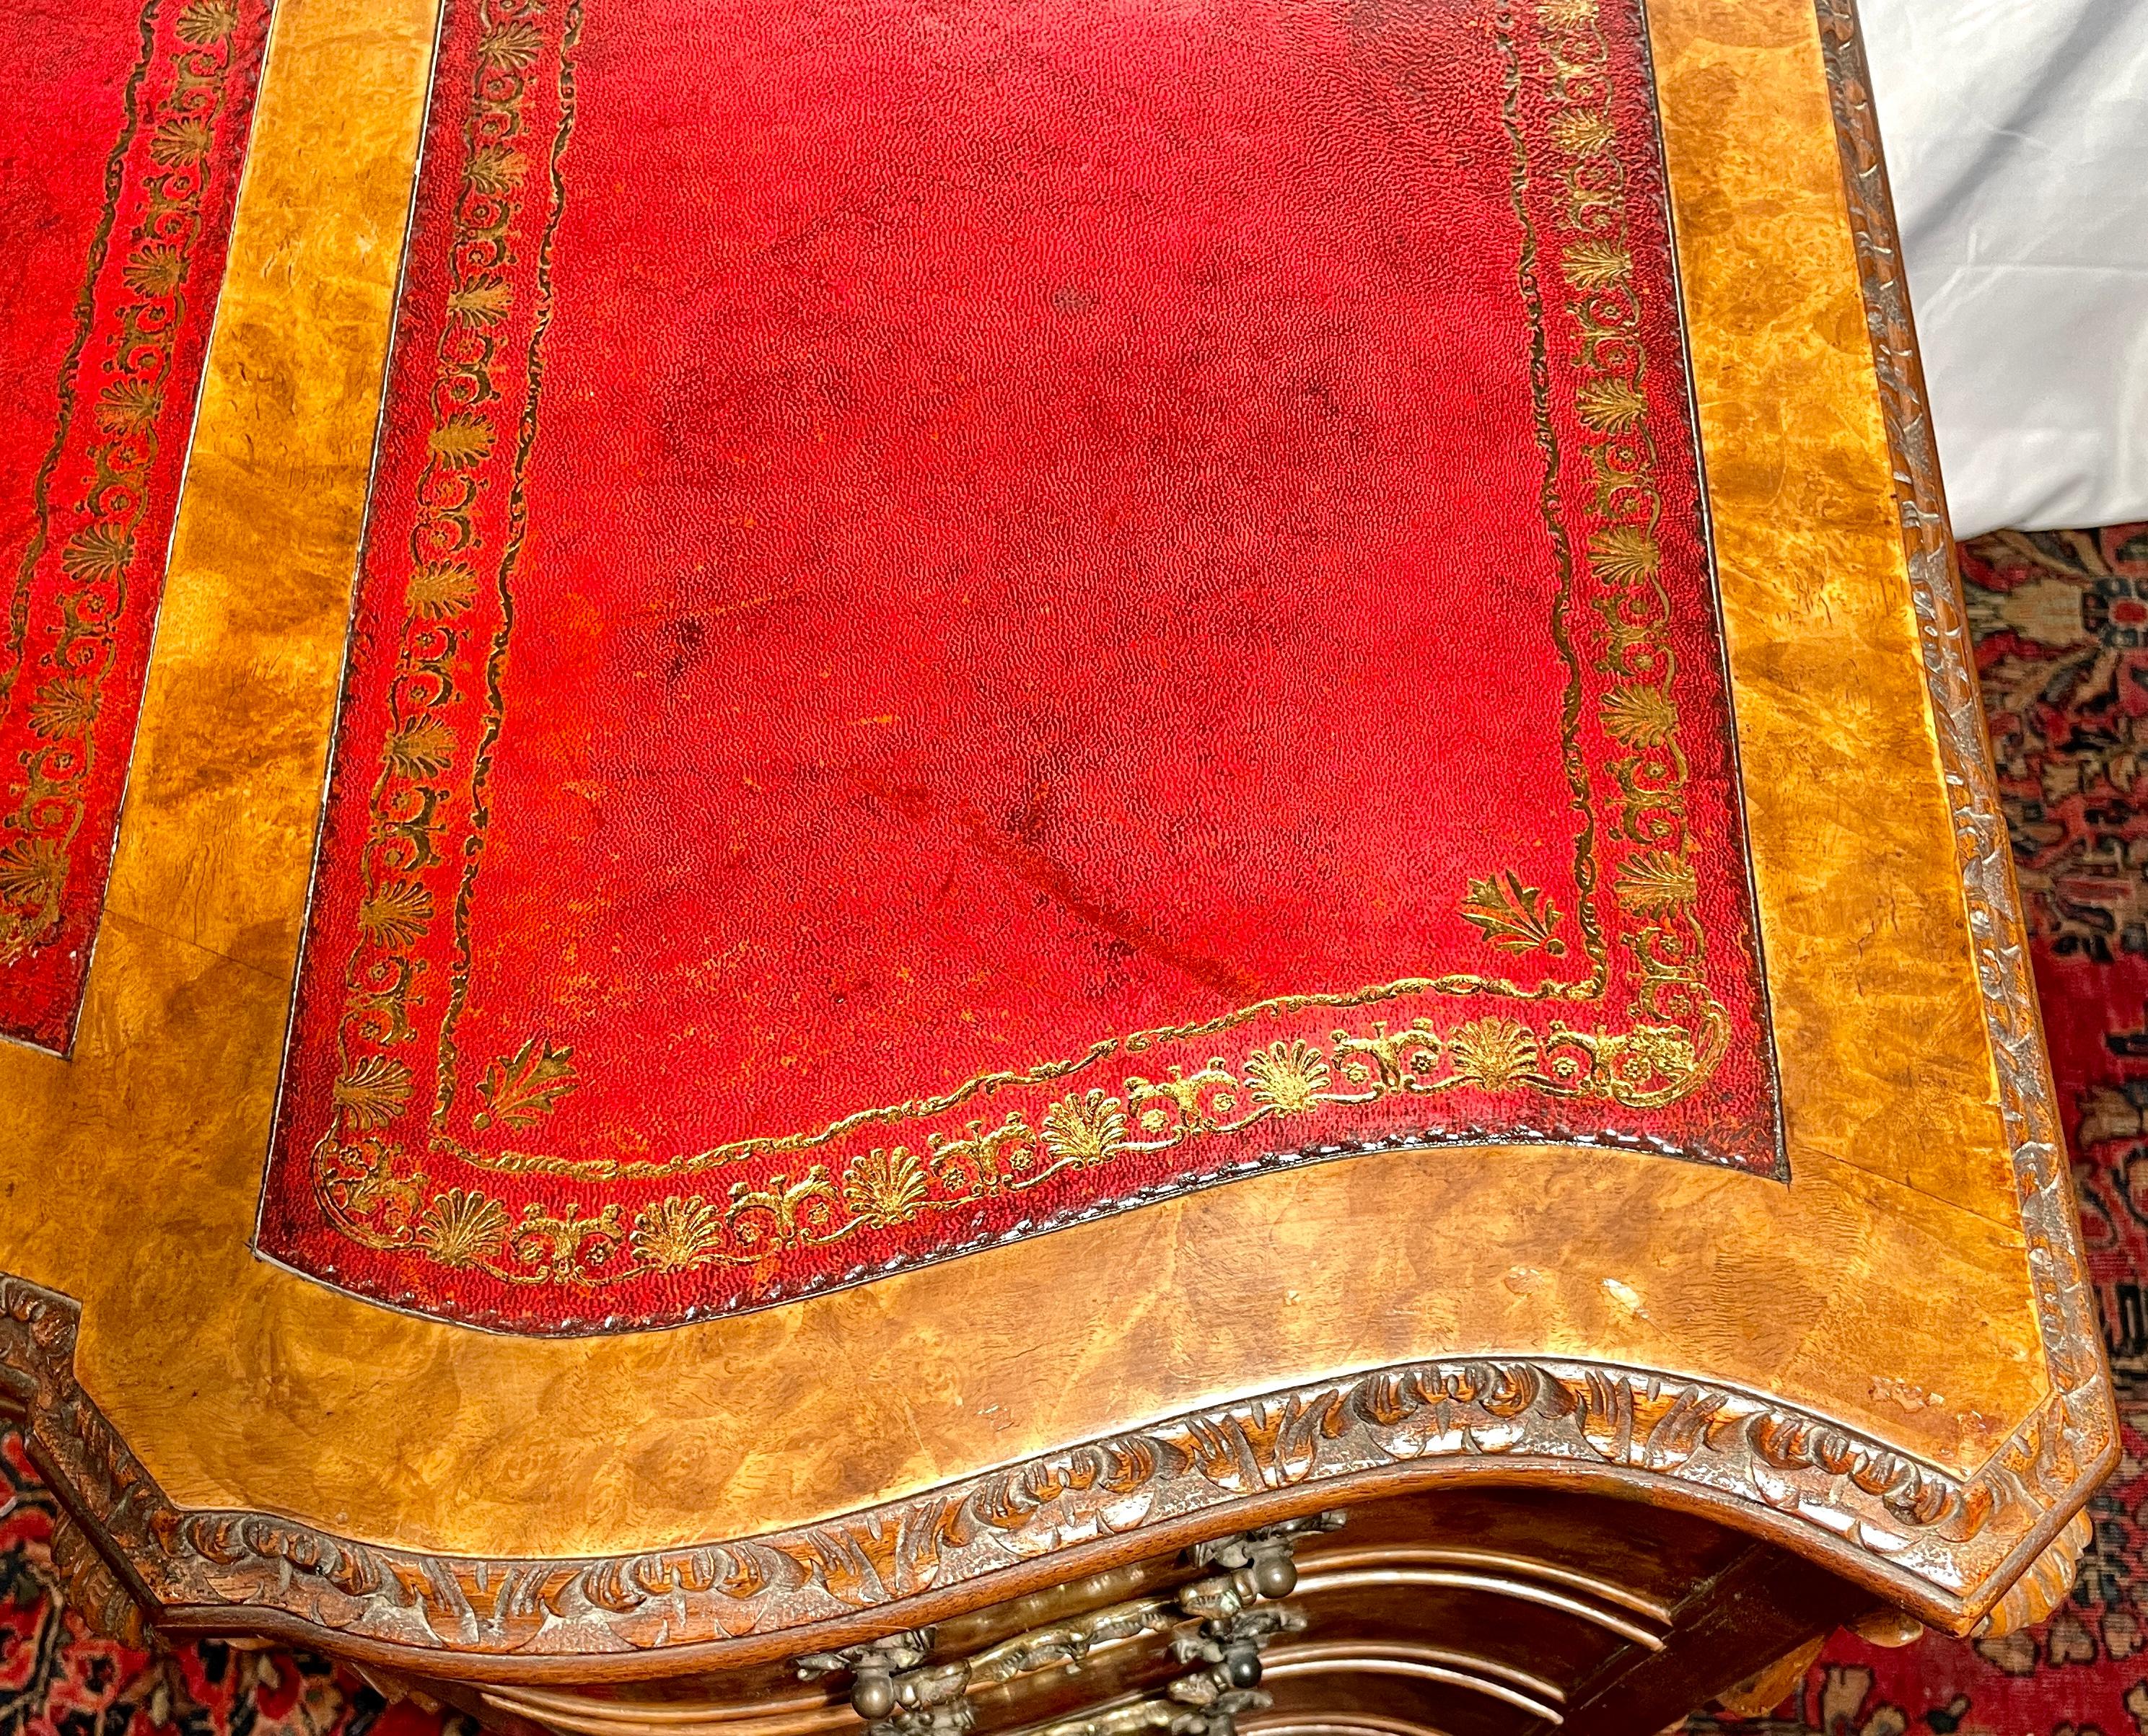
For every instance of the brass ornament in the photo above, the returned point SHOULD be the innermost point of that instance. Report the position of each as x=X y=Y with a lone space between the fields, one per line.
x=1222 y=1621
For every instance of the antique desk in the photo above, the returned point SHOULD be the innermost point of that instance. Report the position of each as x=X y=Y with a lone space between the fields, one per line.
x=1147 y=881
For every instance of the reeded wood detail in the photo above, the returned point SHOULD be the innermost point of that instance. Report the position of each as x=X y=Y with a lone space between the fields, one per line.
x=1402 y=1576
x=1382 y=1558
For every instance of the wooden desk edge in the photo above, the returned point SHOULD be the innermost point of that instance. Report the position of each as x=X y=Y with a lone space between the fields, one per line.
x=1940 y=1547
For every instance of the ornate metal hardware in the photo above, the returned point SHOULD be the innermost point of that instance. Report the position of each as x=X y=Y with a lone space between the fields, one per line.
x=874 y=1668
x=1231 y=1645
x=1071 y=1642
x=1261 y=1565
x=1229 y=1616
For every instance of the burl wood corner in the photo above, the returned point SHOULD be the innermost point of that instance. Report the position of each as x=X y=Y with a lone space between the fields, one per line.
x=1147 y=880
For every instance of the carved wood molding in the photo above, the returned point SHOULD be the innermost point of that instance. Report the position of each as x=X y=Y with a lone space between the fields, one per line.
x=1932 y=1542
x=89 y=1587
x=1893 y=1522
x=2044 y=1586
x=2082 y=1413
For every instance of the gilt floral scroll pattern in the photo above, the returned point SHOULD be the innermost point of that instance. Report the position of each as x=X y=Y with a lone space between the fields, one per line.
x=378 y=1198
x=408 y=878
x=90 y=551
x=1654 y=881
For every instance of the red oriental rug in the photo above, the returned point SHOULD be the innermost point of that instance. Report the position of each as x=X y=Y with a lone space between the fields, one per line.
x=122 y=129
x=973 y=620
x=2063 y=625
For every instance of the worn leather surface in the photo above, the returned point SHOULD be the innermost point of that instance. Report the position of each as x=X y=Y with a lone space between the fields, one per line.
x=122 y=126
x=978 y=614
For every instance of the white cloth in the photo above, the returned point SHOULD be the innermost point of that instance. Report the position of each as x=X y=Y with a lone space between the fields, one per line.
x=2016 y=134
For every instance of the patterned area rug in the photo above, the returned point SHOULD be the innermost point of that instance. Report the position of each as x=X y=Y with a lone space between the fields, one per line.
x=2062 y=624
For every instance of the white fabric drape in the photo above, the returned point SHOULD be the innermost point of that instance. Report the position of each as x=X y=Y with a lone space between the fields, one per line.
x=2016 y=134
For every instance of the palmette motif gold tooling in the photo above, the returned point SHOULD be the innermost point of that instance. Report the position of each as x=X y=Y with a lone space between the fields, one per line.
x=1284 y=1082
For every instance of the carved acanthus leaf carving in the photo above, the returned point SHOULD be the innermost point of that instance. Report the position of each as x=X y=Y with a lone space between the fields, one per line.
x=89 y=1587
x=1926 y=1536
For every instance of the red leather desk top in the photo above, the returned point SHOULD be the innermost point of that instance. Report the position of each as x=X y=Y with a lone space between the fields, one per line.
x=977 y=614
x=122 y=125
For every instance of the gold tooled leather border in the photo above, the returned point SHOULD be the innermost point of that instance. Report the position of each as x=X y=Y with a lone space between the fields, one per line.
x=180 y=137
x=378 y=1185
